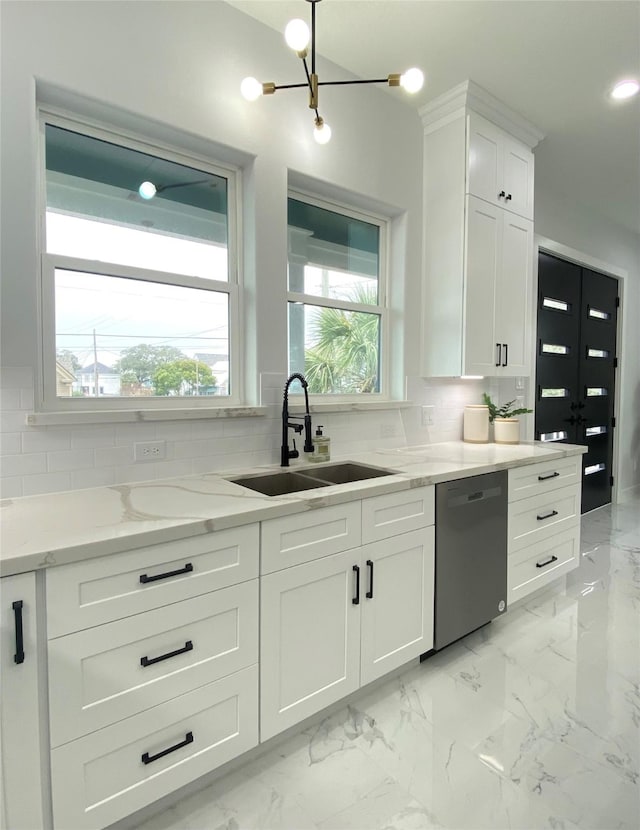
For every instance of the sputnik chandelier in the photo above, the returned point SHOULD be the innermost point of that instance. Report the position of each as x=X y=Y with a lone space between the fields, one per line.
x=298 y=37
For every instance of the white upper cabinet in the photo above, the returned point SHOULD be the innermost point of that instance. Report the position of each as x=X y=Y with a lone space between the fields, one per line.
x=477 y=309
x=499 y=168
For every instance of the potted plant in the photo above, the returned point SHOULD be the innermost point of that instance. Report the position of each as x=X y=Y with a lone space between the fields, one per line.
x=505 y=424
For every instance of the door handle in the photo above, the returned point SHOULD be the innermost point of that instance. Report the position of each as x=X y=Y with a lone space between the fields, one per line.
x=499 y=353
x=149 y=661
x=356 y=599
x=502 y=194
x=547 y=515
x=149 y=759
x=508 y=197
x=187 y=569
x=369 y=594
x=506 y=354
x=18 y=657
x=546 y=478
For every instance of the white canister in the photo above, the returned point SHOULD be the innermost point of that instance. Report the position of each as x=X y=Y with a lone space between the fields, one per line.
x=476 y=424
x=506 y=431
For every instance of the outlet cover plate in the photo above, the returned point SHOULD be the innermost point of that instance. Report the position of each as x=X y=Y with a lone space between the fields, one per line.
x=149 y=451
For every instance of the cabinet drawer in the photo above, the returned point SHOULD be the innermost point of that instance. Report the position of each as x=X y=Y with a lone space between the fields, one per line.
x=97 y=591
x=101 y=778
x=293 y=540
x=534 y=479
x=97 y=676
x=537 y=518
x=394 y=513
x=536 y=565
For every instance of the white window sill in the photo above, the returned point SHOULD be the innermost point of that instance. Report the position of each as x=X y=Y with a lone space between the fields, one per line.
x=38 y=419
x=348 y=406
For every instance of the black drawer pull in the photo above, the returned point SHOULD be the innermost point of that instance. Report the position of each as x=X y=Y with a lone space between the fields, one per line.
x=547 y=515
x=545 y=478
x=149 y=759
x=186 y=570
x=369 y=594
x=356 y=599
x=506 y=354
x=548 y=562
x=499 y=354
x=149 y=661
x=18 y=657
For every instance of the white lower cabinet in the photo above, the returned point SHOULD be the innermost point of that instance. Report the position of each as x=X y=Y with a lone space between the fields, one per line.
x=21 y=805
x=335 y=624
x=105 y=776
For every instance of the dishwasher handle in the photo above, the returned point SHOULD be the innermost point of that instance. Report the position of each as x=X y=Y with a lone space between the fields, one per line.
x=462 y=499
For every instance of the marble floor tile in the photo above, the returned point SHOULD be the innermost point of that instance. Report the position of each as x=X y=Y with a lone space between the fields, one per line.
x=530 y=723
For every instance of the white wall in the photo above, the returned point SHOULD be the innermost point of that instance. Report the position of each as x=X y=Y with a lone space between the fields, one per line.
x=581 y=228
x=180 y=65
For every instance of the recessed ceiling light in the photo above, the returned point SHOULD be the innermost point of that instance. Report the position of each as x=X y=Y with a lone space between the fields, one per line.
x=625 y=89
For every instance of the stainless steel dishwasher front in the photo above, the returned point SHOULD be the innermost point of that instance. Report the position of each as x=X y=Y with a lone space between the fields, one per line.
x=471 y=555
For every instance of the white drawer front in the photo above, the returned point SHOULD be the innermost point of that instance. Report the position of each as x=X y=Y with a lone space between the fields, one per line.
x=537 y=518
x=394 y=513
x=537 y=565
x=101 y=778
x=97 y=676
x=535 y=479
x=293 y=540
x=89 y=593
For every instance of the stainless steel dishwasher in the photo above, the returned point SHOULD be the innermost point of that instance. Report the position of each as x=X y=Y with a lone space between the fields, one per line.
x=471 y=555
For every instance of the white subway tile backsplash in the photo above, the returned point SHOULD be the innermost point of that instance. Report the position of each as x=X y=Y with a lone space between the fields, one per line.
x=70 y=460
x=46 y=483
x=10 y=399
x=10 y=443
x=11 y=488
x=170 y=469
x=98 y=436
x=46 y=439
x=23 y=464
x=92 y=477
x=114 y=456
x=16 y=377
x=27 y=399
x=129 y=433
x=13 y=421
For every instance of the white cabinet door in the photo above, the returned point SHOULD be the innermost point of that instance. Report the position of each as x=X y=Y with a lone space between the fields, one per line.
x=397 y=602
x=513 y=287
x=517 y=178
x=19 y=713
x=482 y=262
x=310 y=639
x=484 y=160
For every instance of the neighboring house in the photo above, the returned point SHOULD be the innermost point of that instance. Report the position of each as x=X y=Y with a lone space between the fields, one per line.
x=219 y=365
x=108 y=380
x=64 y=381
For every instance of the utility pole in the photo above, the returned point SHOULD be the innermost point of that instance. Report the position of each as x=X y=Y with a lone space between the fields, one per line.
x=96 y=376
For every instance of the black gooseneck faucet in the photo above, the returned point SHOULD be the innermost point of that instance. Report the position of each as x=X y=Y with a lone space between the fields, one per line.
x=285 y=452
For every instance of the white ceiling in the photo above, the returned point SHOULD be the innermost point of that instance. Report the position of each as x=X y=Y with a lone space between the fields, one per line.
x=552 y=60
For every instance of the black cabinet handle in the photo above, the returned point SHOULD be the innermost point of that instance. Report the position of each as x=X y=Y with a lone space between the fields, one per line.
x=501 y=194
x=548 y=562
x=547 y=515
x=369 y=594
x=149 y=759
x=499 y=348
x=506 y=354
x=18 y=657
x=187 y=569
x=149 y=661
x=356 y=599
x=508 y=197
x=546 y=478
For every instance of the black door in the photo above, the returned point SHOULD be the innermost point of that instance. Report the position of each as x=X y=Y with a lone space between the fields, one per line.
x=575 y=369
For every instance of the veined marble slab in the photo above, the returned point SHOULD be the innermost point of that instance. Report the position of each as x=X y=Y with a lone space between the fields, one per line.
x=55 y=529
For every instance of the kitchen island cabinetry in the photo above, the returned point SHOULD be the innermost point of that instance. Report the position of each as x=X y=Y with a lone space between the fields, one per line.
x=334 y=624
x=21 y=792
x=478 y=220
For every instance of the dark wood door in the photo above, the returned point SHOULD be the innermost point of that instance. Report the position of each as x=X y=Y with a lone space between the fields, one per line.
x=575 y=367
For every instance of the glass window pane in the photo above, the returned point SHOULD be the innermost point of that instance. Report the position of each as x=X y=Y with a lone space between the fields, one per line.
x=554 y=348
x=332 y=255
x=554 y=393
x=119 y=337
x=556 y=305
x=337 y=351
x=95 y=210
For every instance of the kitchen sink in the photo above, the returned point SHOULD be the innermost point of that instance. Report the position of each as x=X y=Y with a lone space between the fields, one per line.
x=281 y=483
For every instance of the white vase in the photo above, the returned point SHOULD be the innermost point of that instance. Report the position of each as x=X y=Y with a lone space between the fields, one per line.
x=506 y=430
x=476 y=424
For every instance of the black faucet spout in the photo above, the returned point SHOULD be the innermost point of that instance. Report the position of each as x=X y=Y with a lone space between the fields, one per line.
x=285 y=452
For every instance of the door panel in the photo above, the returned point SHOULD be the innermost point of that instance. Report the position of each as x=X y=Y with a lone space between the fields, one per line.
x=575 y=367
x=512 y=295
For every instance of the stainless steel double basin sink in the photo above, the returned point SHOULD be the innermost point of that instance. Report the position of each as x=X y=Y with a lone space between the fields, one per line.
x=287 y=481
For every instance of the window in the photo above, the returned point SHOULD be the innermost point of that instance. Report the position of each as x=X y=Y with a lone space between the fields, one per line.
x=139 y=288
x=336 y=298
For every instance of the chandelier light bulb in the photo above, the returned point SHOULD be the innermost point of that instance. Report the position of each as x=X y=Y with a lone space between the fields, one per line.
x=296 y=35
x=625 y=89
x=412 y=80
x=322 y=131
x=147 y=190
x=251 y=89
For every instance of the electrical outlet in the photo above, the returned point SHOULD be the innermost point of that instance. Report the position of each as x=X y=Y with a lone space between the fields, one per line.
x=149 y=450
x=519 y=383
x=388 y=431
x=427 y=416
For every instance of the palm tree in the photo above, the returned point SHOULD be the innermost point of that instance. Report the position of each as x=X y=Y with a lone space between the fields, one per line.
x=343 y=355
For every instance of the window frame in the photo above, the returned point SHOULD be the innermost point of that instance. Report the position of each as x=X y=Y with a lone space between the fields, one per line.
x=48 y=399
x=382 y=309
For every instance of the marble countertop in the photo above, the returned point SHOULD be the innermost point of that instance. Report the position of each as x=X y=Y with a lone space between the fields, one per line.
x=55 y=529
